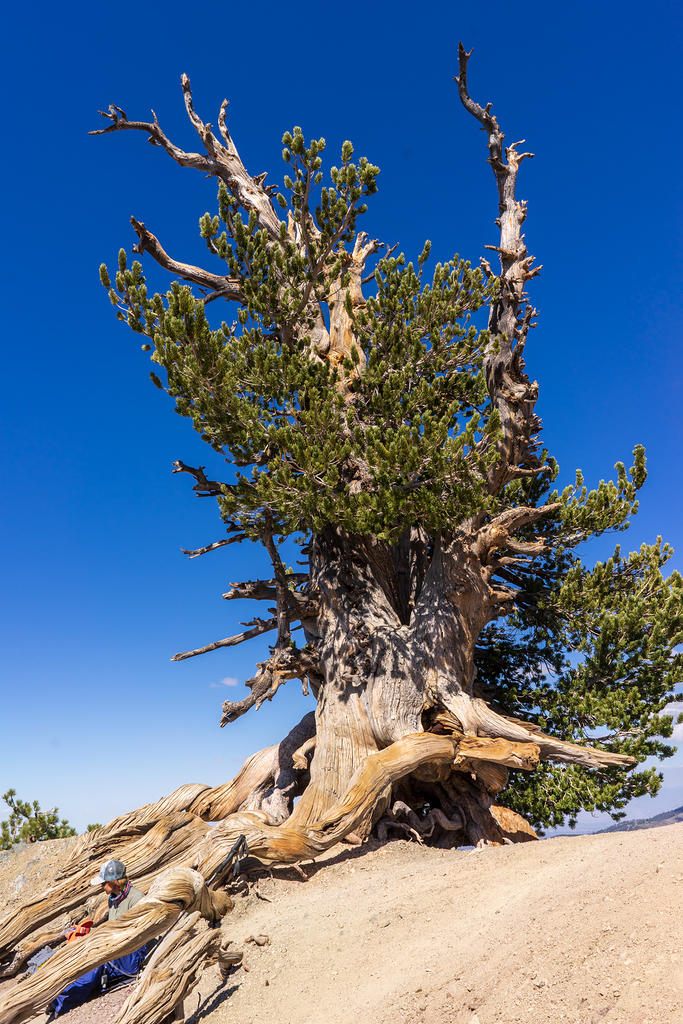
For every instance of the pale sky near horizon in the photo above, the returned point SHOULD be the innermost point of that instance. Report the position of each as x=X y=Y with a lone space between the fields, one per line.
x=98 y=597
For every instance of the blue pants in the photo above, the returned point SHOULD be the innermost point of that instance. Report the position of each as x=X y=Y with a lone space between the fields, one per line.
x=90 y=984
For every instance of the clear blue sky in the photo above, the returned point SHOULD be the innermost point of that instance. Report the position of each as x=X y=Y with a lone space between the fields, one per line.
x=97 y=595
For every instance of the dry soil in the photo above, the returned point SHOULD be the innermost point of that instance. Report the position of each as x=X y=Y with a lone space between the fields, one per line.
x=582 y=929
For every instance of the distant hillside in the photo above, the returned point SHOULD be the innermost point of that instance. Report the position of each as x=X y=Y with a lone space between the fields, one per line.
x=631 y=825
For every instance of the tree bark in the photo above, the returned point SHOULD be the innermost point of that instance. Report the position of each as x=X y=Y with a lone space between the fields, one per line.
x=391 y=668
x=172 y=892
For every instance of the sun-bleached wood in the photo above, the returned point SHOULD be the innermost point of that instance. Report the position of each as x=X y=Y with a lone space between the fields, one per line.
x=173 y=891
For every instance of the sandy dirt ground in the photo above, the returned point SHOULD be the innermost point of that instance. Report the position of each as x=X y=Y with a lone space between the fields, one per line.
x=585 y=929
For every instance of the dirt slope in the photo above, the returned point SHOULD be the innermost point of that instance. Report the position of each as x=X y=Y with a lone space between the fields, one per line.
x=586 y=929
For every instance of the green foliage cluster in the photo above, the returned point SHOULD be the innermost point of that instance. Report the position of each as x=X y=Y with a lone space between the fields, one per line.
x=587 y=654
x=412 y=418
x=591 y=658
x=27 y=822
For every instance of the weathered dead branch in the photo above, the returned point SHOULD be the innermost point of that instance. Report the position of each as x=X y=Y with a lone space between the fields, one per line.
x=477 y=717
x=264 y=590
x=262 y=626
x=284 y=663
x=196 y=552
x=511 y=317
x=219 y=286
x=221 y=159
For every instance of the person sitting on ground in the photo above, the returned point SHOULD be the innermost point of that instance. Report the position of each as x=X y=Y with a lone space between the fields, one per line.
x=122 y=896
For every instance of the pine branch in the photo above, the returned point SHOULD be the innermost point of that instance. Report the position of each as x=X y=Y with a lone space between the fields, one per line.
x=219 y=286
x=221 y=160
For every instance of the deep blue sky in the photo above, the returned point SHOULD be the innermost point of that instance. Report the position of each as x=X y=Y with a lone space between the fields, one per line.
x=97 y=595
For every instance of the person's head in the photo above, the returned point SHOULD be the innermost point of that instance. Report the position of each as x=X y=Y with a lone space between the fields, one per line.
x=112 y=877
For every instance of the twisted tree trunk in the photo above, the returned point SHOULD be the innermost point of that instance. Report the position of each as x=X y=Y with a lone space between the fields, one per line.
x=399 y=729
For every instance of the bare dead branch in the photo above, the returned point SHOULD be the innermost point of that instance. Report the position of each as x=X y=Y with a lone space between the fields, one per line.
x=476 y=715
x=380 y=245
x=263 y=590
x=527 y=547
x=221 y=160
x=262 y=626
x=218 y=285
x=296 y=605
x=205 y=488
x=496 y=534
x=511 y=316
x=281 y=589
x=285 y=663
x=235 y=539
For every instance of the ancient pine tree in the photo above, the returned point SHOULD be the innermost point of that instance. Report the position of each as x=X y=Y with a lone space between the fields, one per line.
x=361 y=409
x=471 y=674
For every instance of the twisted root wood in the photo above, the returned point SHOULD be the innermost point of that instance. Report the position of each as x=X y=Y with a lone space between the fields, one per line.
x=92 y=847
x=168 y=842
x=173 y=891
x=290 y=842
x=155 y=836
x=183 y=838
x=403 y=818
x=52 y=936
x=173 y=970
x=268 y=780
x=477 y=717
x=217 y=803
x=514 y=827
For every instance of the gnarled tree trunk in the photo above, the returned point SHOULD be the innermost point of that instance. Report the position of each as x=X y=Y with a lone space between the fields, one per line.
x=400 y=734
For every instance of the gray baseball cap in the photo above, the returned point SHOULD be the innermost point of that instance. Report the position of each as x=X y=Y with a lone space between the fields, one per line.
x=112 y=871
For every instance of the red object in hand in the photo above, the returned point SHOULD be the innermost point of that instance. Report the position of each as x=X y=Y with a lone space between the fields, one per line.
x=82 y=929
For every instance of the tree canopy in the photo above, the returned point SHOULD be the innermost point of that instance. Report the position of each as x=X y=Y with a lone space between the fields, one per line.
x=357 y=390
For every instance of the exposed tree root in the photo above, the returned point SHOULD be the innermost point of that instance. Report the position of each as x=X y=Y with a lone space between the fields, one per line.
x=217 y=803
x=173 y=970
x=514 y=827
x=93 y=846
x=404 y=818
x=268 y=780
x=173 y=891
x=168 y=842
x=458 y=772
x=457 y=775
x=183 y=838
x=289 y=842
x=53 y=936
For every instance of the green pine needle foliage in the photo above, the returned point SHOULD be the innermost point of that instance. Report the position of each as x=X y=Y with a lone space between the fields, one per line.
x=27 y=822
x=587 y=654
